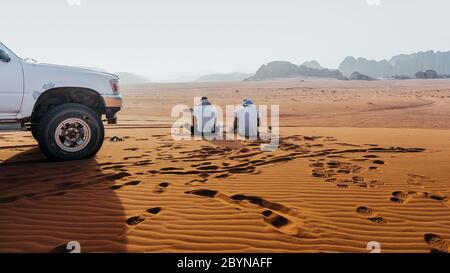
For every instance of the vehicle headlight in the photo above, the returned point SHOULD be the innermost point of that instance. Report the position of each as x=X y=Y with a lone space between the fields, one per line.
x=115 y=86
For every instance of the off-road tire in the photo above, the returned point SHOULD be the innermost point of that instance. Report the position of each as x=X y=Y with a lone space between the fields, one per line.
x=34 y=132
x=50 y=125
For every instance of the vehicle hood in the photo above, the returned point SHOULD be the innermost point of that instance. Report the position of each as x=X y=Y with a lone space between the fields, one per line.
x=72 y=69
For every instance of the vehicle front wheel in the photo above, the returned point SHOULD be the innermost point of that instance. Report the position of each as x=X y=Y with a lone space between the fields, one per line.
x=70 y=132
x=34 y=132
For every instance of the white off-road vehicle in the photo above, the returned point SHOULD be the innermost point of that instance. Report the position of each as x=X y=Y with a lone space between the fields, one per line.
x=62 y=106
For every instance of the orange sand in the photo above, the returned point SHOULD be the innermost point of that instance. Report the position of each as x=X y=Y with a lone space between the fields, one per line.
x=357 y=162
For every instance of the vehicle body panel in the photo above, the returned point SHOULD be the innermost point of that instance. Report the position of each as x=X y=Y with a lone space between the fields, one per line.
x=23 y=82
x=11 y=85
x=40 y=78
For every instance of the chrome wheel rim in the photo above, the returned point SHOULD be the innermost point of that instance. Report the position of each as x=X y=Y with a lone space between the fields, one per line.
x=72 y=135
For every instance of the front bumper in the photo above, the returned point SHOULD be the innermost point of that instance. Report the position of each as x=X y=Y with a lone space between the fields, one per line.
x=113 y=104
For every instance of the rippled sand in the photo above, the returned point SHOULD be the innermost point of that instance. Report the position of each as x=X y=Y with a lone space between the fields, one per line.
x=357 y=162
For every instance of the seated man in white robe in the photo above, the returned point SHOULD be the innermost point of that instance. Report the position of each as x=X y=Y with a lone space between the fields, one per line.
x=247 y=121
x=204 y=118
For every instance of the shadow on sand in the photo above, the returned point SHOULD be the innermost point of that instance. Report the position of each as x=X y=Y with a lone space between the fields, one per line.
x=44 y=205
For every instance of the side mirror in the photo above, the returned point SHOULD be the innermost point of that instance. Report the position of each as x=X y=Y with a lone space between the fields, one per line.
x=4 y=57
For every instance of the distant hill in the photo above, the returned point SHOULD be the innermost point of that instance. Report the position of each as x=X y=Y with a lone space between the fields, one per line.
x=283 y=69
x=312 y=64
x=421 y=61
x=224 y=77
x=430 y=74
x=371 y=68
x=130 y=78
x=404 y=64
x=356 y=76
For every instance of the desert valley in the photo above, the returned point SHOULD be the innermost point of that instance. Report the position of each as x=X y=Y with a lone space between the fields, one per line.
x=358 y=161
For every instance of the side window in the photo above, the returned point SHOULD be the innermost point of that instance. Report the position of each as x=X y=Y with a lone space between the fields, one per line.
x=4 y=57
x=6 y=54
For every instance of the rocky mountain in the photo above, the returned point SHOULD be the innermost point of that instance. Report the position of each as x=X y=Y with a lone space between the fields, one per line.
x=356 y=76
x=283 y=69
x=422 y=61
x=130 y=78
x=224 y=77
x=404 y=64
x=430 y=74
x=312 y=64
x=368 y=67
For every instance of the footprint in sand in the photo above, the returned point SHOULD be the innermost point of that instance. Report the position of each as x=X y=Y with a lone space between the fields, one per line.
x=195 y=182
x=361 y=182
x=375 y=183
x=278 y=216
x=437 y=197
x=171 y=169
x=207 y=168
x=343 y=183
x=371 y=156
x=131 y=183
x=322 y=173
x=378 y=220
x=131 y=149
x=378 y=162
x=116 y=139
x=405 y=196
x=136 y=220
x=204 y=192
x=364 y=210
x=418 y=180
x=332 y=168
x=436 y=243
x=402 y=196
x=372 y=216
x=161 y=187
x=9 y=199
x=131 y=157
x=280 y=223
x=225 y=175
x=117 y=176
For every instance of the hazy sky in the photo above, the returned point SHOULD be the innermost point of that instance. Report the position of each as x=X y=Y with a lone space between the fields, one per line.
x=166 y=39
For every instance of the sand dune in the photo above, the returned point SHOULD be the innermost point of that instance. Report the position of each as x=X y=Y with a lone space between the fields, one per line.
x=310 y=103
x=330 y=187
